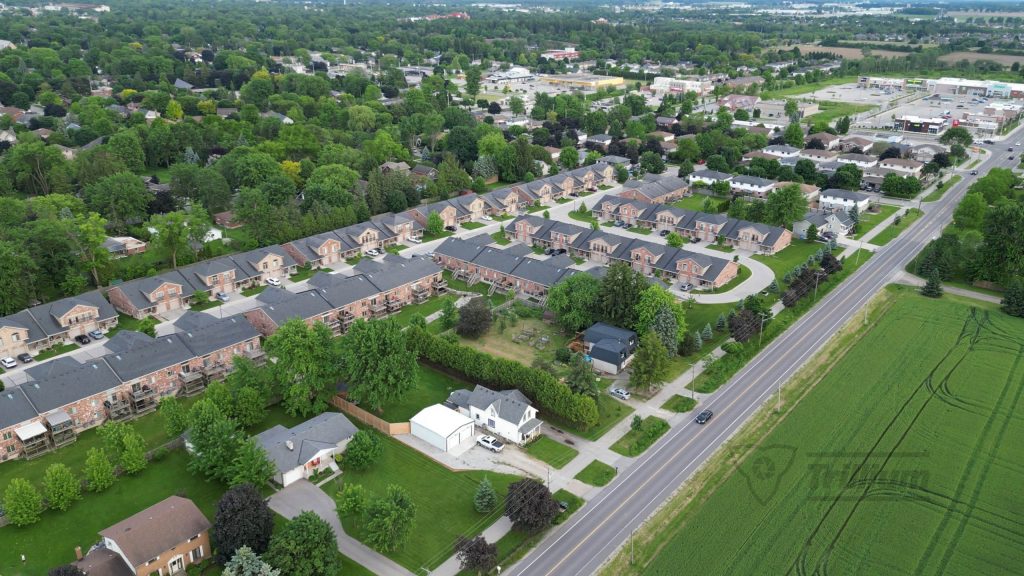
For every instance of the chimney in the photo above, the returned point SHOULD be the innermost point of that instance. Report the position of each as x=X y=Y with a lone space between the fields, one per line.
x=289 y=444
x=78 y=552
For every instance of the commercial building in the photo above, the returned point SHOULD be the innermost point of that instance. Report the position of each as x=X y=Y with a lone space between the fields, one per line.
x=921 y=125
x=583 y=81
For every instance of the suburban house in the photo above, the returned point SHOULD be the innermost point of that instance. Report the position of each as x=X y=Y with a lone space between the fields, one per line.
x=838 y=198
x=854 y=143
x=705 y=178
x=830 y=141
x=320 y=250
x=40 y=327
x=859 y=160
x=810 y=191
x=838 y=223
x=442 y=427
x=734 y=102
x=781 y=151
x=655 y=189
x=121 y=246
x=610 y=348
x=165 y=538
x=904 y=166
x=504 y=270
x=816 y=156
x=619 y=208
x=307 y=448
x=599 y=141
x=506 y=413
x=752 y=186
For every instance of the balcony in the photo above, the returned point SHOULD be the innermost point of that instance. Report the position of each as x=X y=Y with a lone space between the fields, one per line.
x=143 y=400
x=440 y=285
x=420 y=294
x=216 y=371
x=118 y=409
x=394 y=305
x=62 y=429
x=35 y=446
x=192 y=383
x=378 y=309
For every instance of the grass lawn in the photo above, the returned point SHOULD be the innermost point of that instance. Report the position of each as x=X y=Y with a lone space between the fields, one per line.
x=596 y=473
x=354 y=260
x=428 y=237
x=200 y=306
x=572 y=501
x=610 y=412
x=634 y=442
x=302 y=273
x=805 y=88
x=794 y=255
x=56 y=350
x=915 y=475
x=254 y=290
x=639 y=230
x=833 y=110
x=480 y=288
x=563 y=200
x=125 y=322
x=886 y=235
x=868 y=220
x=719 y=247
x=443 y=498
x=472 y=225
x=425 y=309
x=500 y=238
x=533 y=209
x=938 y=192
x=51 y=541
x=554 y=453
x=741 y=276
x=679 y=403
x=587 y=218
x=433 y=387
x=608 y=224
x=692 y=202
x=502 y=343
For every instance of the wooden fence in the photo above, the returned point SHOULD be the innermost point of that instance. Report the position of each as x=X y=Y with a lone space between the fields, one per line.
x=389 y=428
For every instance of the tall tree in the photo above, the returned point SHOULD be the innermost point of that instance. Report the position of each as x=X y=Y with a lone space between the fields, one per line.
x=474 y=318
x=529 y=506
x=60 y=487
x=1013 y=299
x=245 y=562
x=476 y=555
x=23 y=504
x=251 y=465
x=122 y=199
x=242 y=520
x=650 y=365
x=581 y=379
x=794 y=135
x=305 y=546
x=171 y=234
x=389 y=519
x=933 y=287
x=1002 y=254
x=214 y=439
x=786 y=205
x=98 y=471
x=127 y=147
x=666 y=326
x=620 y=289
x=307 y=366
x=473 y=75
x=575 y=301
x=379 y=365
x=486 y=499
x=970 y=213
x=652 y=300
x=18 y=272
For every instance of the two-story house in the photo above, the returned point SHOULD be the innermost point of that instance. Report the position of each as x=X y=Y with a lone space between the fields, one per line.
x=507 y=413
x=610 y=348
x=40 y=327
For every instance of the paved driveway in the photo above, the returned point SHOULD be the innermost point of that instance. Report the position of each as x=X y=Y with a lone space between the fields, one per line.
x=302 y=496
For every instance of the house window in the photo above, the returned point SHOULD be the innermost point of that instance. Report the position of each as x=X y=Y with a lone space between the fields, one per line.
x=16 y=337
x=8 y=435
x=11 y=449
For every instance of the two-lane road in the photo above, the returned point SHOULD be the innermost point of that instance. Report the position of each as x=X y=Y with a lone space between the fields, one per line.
x=582 y=545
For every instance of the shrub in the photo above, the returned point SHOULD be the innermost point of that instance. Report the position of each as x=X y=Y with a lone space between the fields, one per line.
x=363 y=450
x=351 y=500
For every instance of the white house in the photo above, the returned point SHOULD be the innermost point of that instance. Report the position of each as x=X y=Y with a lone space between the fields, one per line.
x=507 y=413
x=838 y=223
x=907 y=166
x=308 y=448
x=815 y=155
x=752 y=185
x=708 y=177
x=838 y=198
x=859 y=160
x=781 y=151
x=441 y=427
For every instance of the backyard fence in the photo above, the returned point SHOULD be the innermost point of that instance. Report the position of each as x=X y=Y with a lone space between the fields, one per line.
x=383 y=426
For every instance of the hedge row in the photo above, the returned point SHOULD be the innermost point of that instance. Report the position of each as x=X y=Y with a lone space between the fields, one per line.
x=548 y=394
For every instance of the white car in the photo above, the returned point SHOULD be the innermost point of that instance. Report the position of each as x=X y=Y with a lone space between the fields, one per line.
x=8 y=362
x=491 y=443
x=488 y=217
x=619 y=393
x=414 y=240
x=273 y=282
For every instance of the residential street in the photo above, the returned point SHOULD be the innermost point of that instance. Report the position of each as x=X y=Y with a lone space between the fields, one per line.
x=583 y=544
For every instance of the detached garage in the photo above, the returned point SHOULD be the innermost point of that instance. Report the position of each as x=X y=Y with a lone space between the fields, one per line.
x=441 y=427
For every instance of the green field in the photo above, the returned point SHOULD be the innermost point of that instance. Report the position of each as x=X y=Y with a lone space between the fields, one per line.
x=596 y=473
x=830 y=111
x=892 y=231
x=553 y=453
x=433 y=387
x=634 y=442
x=938 y=192
x=868 y=220
x=789 y=258
x=905 y=459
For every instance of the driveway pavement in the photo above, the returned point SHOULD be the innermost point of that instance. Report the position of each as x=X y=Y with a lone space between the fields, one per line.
x=303 y=496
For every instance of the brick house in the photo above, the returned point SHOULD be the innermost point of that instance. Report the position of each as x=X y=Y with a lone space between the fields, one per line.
x=655 y=189
x=318 y=250
x=152 y=295
x=40 y=327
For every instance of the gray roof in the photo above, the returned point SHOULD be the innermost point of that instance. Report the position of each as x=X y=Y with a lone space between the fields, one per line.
x=601 y=331
x=91 y=378
x=318 y=433
x=282 y=305
x=41 y=320
x=204 y=334
x=710 y=175
x=340 y=290
x=753 y=180
x=510 y=405
x=136 y=290
x=157 y=354
x=15 y=408
x=393 y=271
x=844 y=194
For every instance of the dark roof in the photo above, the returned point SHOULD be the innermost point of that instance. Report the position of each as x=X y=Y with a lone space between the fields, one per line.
x=710 y=175
x=459 y=249
x=41 y=320
x=321 y=432
x=204 y=334
x=104 y=562
x=393 y=271
x=282 y=305
x=157 y=529
x=157 y=354
x=340 y=290
x=15 y=408
x=600 y=331
x=844 y=194
x=70 y=386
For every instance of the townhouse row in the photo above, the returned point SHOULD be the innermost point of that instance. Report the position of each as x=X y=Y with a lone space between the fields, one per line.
x=698 y=226
x=53 y=401
x=605 y=248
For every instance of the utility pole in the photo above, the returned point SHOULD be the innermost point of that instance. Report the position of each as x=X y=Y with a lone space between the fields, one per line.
x=631 y=546
x=693 y=379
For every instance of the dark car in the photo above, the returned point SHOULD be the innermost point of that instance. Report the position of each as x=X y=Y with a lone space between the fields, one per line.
x=450 y=228
x=704 y=416
x=82 y=339
x=549 y=251
x=560 y=251
x=1010 y=158
x=1010 y=149
x=24 y=357
x=974 y=172
x=563 y=505
x=664 y=233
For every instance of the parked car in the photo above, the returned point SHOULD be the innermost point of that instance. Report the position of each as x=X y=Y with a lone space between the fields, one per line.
x=619 y=393
x=704 y=416
x=987 y=141
x=273 y=281
x=549 y=251
x=1010 y=149
x=664 y=233
x=620 y=223
x=8 y=362
x=414 y=240
x=25 y=358
x=563 y=505
x=974 y=172
x=222 y=297
x=82 y=339
x=450 y=228
x=1010 y=158
x=560 y=251
x=373 y=252
x=96 y=335
x=491 y=443
x=686 y=287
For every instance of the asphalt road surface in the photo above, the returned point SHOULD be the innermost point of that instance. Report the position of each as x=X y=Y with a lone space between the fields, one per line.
x=582 y=545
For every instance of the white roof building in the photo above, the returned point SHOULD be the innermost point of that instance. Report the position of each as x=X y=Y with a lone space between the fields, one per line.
x=441 y=427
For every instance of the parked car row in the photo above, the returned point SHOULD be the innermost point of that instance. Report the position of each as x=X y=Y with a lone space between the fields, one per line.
x=554 y=251
x=83 y=339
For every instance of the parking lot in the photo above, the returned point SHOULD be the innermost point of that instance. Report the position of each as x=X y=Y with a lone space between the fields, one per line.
x=854 y=94
x=932 y=106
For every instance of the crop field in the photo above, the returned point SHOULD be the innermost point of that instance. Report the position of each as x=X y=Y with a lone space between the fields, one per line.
x=906 y=458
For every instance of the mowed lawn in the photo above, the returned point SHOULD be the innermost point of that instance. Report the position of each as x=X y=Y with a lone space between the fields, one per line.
x=905 y=459
x=789 y=258
x=868 y=220
x=444 y=502
x=433 y=387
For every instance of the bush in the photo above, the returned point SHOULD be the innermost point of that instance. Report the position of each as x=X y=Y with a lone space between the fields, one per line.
x=543 y=389
x=563 y=355
x=351 y=500
x=363 y=450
